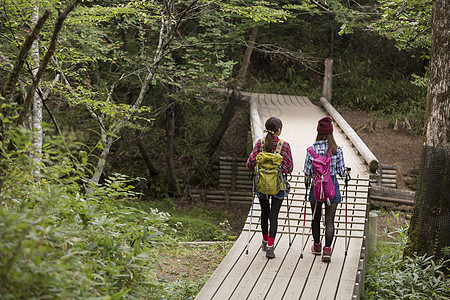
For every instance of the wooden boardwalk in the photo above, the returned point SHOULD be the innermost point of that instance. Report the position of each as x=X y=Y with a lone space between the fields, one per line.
x=288 y=276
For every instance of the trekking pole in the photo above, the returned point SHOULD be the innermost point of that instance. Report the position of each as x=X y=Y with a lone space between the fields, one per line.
x=251 y=213
x=304 y=215
x=287 y=203
x=347 y=179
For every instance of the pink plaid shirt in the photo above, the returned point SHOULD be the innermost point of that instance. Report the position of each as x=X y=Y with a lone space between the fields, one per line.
x=287 y=165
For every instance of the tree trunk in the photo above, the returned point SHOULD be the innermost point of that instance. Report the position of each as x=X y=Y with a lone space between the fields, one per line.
x=152 y=169
x=173 y=187
x=429 y=232
x=62 y=15
x=165 y=35
x=107 y=142
x=36 y=115
x=235 y=97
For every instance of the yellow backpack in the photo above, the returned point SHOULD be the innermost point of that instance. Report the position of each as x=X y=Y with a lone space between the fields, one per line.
x=268 y=171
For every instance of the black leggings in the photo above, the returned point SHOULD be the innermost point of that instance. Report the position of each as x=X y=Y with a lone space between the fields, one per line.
x=270 y=212
x=330 y=212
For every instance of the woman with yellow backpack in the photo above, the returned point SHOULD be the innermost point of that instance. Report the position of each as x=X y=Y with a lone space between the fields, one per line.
x=272 y=159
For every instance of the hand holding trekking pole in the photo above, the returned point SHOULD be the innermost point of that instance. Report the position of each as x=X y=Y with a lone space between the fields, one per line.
x=347 y=175
x=347 y=179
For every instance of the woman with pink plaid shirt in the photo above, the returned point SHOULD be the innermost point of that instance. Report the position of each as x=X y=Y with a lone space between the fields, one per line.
x=269 y=211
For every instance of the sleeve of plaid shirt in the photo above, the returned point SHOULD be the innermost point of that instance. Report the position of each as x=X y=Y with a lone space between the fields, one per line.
x=340 y=165
x=307 y=169
x=251 y=161
x=287 y=165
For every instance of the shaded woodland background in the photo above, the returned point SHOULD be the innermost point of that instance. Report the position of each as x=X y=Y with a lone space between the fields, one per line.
x=112 y=110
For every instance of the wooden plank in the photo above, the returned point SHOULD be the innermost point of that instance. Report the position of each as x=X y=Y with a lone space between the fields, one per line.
x=291 y=101
x=377 y=190
x=232 y=159
x=314 y=281
x=348 y=274
x=393 y=200
x=243 y=262
x=277 y=279
x=331 y=279
x=254 y=275
x=298 y=279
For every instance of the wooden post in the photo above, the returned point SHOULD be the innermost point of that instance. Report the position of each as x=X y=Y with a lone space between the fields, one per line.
x=372 y=236
x=327 y=79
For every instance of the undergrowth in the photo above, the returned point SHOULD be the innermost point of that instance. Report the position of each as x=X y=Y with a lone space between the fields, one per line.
x=391 y=275
x=59 y=243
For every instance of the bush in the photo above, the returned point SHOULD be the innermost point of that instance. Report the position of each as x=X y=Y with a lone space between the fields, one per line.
x=390 y=275
x=58 y=244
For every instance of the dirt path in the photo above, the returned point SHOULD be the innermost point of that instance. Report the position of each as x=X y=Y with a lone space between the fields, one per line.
x=390 y=146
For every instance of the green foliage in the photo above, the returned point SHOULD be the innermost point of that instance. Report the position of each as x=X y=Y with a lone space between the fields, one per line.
x=261 y=11
x=57 y=243
x=181 y=289
x=390 y=275
x=408 y=22
x=193 y=223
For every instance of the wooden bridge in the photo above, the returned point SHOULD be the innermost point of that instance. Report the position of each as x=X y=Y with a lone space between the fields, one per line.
x=288 y=276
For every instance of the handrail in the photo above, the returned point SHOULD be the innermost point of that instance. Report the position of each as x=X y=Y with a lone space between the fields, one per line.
x=255 y=120
x=365 y=152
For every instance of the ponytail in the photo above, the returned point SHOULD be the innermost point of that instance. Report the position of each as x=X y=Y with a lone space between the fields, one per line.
x=268 y=141
x=272 y=126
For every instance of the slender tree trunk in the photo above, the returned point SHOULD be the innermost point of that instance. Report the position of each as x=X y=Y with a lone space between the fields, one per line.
x=62 y=15
x=8 y=91
x=152 y=169
x=165 y=34
x=235 y=97
x=36 y=116
x=173 y=187
x=107 y=142
x=429 y=232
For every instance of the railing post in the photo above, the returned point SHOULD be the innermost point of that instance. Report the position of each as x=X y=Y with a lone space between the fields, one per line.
x=327 y=79
x=372 y=235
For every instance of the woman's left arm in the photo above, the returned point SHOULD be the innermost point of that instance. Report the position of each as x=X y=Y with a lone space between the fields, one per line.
x=340 y=165
x=287 y=165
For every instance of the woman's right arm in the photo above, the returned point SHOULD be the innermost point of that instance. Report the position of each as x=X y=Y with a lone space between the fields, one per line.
x=251 y=161
x=308 y=165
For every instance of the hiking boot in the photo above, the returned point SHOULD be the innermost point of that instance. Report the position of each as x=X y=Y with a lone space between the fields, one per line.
x=264 y=245
x=316 y=249
x=326 y=255
x=269 y=252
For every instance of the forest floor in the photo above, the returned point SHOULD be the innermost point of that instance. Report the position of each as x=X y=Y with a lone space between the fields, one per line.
x=390 y=144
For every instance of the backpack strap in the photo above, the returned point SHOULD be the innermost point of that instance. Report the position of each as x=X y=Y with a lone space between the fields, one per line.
x=279 y=146
x=329 y=153
x=312 y=152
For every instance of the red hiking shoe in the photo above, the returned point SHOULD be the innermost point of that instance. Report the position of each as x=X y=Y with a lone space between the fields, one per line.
x=326 y=255
x=316 y=248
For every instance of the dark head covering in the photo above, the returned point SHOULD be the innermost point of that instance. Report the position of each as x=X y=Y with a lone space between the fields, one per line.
x=325 y=126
